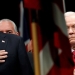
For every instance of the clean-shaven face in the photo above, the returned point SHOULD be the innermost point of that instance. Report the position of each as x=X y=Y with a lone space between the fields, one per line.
x=7 y=27
x=70 y=22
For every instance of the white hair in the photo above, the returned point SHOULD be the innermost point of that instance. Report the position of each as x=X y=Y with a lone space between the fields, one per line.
x=69 y=13
x=14 y=25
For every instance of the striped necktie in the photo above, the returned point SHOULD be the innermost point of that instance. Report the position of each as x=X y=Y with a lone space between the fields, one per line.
x=74 y=56
x=74 y=61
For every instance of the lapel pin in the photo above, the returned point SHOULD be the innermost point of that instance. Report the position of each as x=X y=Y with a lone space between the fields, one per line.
x=3 y=41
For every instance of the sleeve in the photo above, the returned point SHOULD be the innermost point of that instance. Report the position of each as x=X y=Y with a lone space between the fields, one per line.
x=25 y=65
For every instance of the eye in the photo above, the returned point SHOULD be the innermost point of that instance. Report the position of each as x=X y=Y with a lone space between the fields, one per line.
x=73 y=26
x=9 y=32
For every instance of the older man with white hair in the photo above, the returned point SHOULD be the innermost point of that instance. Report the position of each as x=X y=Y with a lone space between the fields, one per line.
x=70 y=23
x=8 y=26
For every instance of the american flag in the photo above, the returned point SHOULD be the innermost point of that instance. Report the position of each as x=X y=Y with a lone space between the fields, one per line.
x=50 y=38
x=57 y=55
x=24 y=26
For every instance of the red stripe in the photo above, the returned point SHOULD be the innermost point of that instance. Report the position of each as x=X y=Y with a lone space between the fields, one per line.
x=60 y=71
x=61 y=41
x=32 y=4
x=41 y=39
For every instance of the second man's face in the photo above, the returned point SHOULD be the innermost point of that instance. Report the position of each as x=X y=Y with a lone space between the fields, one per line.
x=7 y=27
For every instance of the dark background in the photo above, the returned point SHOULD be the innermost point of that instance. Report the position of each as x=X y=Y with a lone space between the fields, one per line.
x=70 y=5
x=10 y=9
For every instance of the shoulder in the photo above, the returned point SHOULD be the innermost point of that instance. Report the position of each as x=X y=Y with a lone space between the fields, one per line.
x=10 y=36
x=13 y=36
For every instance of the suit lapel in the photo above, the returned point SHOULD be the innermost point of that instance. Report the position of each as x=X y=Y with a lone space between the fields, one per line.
x=3 y=41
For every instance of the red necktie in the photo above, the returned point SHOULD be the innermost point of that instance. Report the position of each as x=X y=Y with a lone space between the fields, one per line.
x=74 y=62
x=74 y=56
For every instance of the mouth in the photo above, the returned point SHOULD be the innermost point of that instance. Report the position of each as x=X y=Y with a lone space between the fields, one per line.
x=72 y=39
x=72 y=36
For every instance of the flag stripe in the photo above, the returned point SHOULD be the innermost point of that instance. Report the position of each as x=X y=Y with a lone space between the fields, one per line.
x=46 y=61
x=60 y=21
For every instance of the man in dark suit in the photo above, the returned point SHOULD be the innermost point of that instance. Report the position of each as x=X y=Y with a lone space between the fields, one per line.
x=8 y=26
x=17 y=62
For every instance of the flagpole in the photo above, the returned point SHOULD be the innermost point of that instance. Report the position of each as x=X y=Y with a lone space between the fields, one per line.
x=35 y=47
x=64 y=6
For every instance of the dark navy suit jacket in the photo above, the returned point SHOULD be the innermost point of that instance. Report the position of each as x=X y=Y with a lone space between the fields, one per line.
x=17 y=62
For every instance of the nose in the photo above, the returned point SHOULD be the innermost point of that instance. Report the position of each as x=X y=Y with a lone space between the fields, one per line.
x=70 y=31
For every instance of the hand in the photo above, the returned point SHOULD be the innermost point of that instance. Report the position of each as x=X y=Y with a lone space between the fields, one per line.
x=30 y=46
x=3 y=54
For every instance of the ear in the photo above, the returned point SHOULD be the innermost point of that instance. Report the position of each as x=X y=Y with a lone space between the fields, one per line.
x=17 y=33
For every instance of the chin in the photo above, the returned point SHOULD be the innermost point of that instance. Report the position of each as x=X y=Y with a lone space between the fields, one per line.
x=72 y=42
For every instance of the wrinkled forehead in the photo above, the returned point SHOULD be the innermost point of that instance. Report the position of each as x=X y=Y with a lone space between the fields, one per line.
x=5 y=23
x=70 y=21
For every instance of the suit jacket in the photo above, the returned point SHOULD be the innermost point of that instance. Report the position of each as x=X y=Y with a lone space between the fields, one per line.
x=17 y=62
x=30 y=55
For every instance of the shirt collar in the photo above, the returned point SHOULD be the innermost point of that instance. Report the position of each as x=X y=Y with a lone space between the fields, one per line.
x=72 y=50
